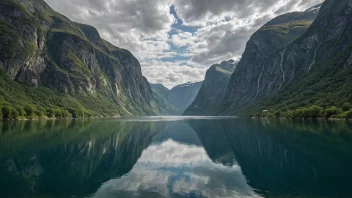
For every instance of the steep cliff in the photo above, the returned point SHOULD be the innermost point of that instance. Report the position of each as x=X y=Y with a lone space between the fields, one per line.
x=308 y=77
x=212 y=89
x=317 y=69
x=176 y=100
x=262 y=69
x=65 y=66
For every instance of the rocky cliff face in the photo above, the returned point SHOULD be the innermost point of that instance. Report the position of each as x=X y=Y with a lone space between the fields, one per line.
x=41 y=48
x=316 y=67
x=212 y=89
x=264 y=68
x=179 y=98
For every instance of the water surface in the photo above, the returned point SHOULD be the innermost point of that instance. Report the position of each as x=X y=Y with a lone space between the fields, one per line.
x=175 y=157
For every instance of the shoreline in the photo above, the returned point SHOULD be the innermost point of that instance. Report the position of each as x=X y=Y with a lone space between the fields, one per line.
x=310 y=119
x=102 y=117
x=47 y=119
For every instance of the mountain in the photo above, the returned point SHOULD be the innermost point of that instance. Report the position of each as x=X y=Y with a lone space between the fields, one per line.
x=213 y=88
x=162 y=97
x=263 y=69
x=320 y=63
x=309 y=77
x=178 y=98
x=53 y=67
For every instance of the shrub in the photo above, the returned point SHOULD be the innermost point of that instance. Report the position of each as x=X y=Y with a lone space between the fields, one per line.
x=14 y=112
x=30 y=110
x=21 y=111
x=76 y=113
x=346 y=106
x=346 y=115
x=331 y=111
x=50 y=112
x=39 y=113
x=66 y=114
x=6 y=112
x=58 y=113
x=315 y=111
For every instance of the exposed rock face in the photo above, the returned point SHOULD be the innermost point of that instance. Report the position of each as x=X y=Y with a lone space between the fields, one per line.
x=40 y=47
x=213 y=88
x=268 y=63
x=179 y=97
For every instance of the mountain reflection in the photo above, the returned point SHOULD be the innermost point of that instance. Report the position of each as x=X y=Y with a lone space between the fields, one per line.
x=282 y=157
x=68 y=158
x=178 y=169
x=175 y=157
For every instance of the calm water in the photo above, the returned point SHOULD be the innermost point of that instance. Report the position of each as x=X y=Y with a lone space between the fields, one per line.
x=175 y=157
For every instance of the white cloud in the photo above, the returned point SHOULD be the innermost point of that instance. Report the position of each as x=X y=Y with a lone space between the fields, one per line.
x=182 y=39
x=226 y=25
x=143 y=27
x=171 y=74
x=139 y=26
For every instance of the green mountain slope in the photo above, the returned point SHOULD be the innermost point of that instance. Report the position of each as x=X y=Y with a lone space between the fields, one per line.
x=212 y=89
x=54 y=67
x=255 y=76
x=318 y=66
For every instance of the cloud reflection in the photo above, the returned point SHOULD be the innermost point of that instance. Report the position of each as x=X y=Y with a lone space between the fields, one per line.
x=172 y=169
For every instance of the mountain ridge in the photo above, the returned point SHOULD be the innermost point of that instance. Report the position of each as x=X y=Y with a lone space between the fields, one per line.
x=216 y=79
x=306 y=78
x=177 y=99
x=80 y=73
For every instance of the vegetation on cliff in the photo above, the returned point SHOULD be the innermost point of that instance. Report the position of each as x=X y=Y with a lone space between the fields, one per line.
x=51 y=67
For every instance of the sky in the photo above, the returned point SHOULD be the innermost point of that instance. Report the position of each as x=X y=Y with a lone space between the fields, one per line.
x=176 y=41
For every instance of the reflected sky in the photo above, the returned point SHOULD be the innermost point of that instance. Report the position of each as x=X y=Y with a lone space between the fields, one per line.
x=175 y=157
x=174 y=169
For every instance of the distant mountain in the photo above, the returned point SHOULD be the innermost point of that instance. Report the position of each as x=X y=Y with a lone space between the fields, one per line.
x=213 y=88
x=162 y=95
x=53 y=67
x=179 y=97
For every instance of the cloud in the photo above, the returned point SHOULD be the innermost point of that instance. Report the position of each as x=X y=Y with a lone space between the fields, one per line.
x=226 y=25
x=171 y=74
x=200 y=12
x=140 y=26
x=177 y=46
